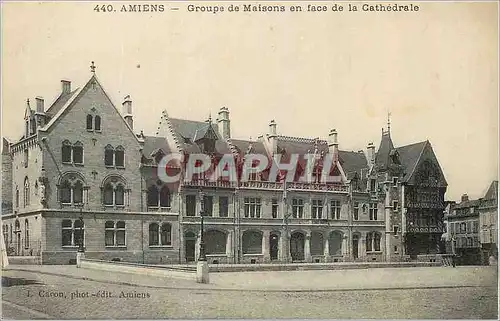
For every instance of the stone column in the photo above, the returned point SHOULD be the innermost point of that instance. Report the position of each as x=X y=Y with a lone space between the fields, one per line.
x=265 y=246
x=229 y=244
x=215 y=207
x=197 y=247
x=345 y=249
x=326 y=248
x=362 y=246
x=307 y=247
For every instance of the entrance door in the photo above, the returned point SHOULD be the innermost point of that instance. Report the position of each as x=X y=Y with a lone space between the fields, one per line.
x=273 y=246
x=297 y=246
x=190 y=246
x=355 y=243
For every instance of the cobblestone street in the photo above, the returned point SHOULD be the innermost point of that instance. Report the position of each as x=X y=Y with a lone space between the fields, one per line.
x=65 y=298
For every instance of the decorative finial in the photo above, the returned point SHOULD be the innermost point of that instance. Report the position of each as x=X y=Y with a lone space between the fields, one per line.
x=210 y=117
x=92 y=67
x=389 y=122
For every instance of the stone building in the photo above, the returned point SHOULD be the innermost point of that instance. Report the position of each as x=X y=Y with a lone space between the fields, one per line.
x=82 y=158
x=488 y=222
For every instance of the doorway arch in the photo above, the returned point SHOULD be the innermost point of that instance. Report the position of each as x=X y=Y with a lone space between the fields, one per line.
x=297 y=241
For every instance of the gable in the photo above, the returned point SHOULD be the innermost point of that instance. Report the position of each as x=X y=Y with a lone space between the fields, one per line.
x=93 y=100
x=427 y=169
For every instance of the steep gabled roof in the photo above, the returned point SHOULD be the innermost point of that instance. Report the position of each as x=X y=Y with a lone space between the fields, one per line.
x=384 y=151
x=409 y=156
x=59 y=103
x=492 y=193
x=244 y=146
x=66 y=103
x=352 y=162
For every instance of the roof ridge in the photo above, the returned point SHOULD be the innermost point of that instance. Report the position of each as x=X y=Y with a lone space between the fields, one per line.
x=301 y=139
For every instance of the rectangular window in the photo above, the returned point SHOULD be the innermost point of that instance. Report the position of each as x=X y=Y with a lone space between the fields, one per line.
x=373 y=211
x=469 y=227
x=395 y=229
x=356 y=211
x=335 y=208
x=372 y=184
x=190 y=205
x=297 y=208
x=108 y=157
x=223 y=206
x=209 y=205
x=274 y=208
x=252 y=207
x=317 y=209
x=395 y=205
x=475 y=227
x=119 y=158
x=395 y=181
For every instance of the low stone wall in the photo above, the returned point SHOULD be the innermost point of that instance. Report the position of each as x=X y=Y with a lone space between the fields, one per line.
x=25 y=260
x=181 y=272
x=316 y=266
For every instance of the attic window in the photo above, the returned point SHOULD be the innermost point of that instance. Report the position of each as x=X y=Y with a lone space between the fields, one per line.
x=159 y=155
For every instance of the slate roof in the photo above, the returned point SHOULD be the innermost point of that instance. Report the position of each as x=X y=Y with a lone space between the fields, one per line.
x=384 y=151
x=59 y=103
x=153 y=143
x=352 y=162
x=409 y=156
x=242 y=146
x=188 y=131
x=492 y=192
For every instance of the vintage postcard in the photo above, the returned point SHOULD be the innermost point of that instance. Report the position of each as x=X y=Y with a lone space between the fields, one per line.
x=249 y=159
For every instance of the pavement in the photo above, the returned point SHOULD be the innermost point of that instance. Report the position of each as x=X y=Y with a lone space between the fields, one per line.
x=297 y=281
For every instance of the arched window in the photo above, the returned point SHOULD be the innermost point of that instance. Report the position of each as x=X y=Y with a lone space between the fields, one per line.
x=33 y=126
x=97 y=123
x=119 y=195
x=252 y=242
x=376 y=242
x=17 y=226
x=26 y=234
x=166 y=234
x=369 y=242
x=78 y=193
x=115 y=233
x=89 y=122
x=108 y=194
x=108 y=155
x=66 y=152
x=65 y=192
x=114 y=191
x=153 y=197
x=78 y=153
x=26 y=192
x=17 y=197
x=119 y=156
x=335 y=243
x=164 y=197
x=153 y=234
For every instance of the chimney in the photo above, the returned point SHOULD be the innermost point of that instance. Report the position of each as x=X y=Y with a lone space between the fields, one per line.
x=333 y=144
x=273 y=137
x=65 y=86
x=224 y=123
x=465 y=198
x=39 y=105
x=127 y=111
x=371 y=153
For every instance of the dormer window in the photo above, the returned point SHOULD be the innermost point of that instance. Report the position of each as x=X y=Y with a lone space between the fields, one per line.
x=158 y=156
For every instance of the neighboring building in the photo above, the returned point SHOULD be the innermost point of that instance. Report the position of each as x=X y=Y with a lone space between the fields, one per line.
x=464 y=229
x=80 y=157
x=488 y=222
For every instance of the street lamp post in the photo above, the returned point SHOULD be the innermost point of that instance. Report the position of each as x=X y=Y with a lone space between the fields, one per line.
x=202 y=256
x=81 y=249
x=202 y=265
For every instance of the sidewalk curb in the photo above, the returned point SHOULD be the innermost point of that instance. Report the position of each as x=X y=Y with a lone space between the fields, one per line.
x=219 y=289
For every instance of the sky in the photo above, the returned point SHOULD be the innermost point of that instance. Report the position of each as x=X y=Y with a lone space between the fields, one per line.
x=435 y=70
